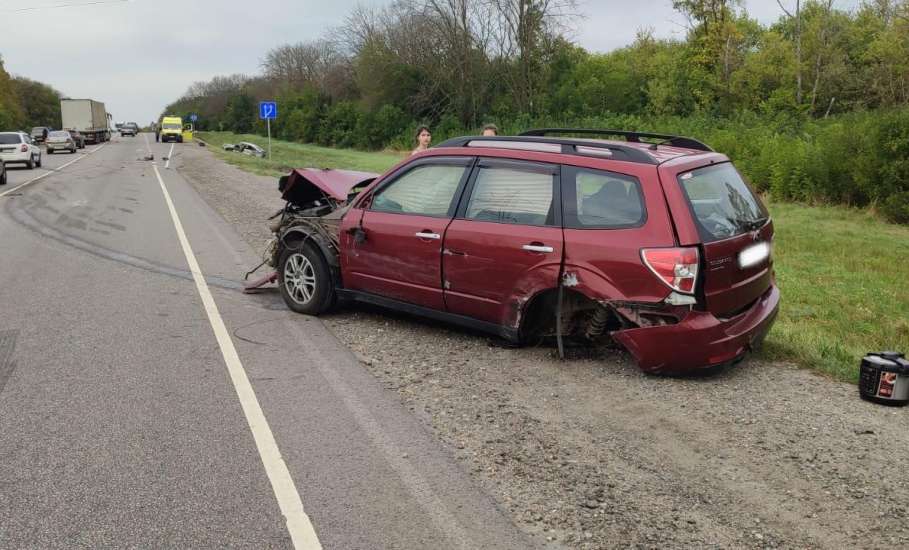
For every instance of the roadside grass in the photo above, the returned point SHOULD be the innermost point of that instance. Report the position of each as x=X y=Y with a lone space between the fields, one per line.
x=843 y=273
x=843 y=276
x=287 y=155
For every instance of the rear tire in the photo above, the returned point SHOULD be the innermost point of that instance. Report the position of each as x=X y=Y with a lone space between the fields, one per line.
x=304 y=280
x=31 y=163
x=38 y=164
x=3 y=178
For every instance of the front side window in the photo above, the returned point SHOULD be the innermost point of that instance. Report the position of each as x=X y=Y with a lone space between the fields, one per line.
x=513 y=194
x=722 y=203
x=427 y=190
x=604 y=200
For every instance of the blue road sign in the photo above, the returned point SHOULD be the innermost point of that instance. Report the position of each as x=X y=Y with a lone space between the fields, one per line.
x=268 y=110
x=193 y=117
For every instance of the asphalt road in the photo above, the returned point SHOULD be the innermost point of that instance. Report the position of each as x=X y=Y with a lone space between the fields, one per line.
x=124 y=421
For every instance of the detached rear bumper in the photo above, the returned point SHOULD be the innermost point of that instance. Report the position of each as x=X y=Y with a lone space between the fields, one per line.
x=701 y=340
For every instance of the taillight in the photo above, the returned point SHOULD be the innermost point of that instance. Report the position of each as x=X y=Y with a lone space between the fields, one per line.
x=24 y=148
x=677 y=267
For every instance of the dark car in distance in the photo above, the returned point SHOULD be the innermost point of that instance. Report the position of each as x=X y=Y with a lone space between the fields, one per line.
x=39 y=133
x=129 y=129
x=653 y=241
x=77 y=137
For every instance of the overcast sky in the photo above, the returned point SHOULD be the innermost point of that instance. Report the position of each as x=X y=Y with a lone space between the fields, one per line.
x=139 y=55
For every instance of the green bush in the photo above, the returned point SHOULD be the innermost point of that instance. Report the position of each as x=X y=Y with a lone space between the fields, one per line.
x=896 y=208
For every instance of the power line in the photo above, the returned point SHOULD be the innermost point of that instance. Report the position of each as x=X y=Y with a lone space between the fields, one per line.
x=71 y=5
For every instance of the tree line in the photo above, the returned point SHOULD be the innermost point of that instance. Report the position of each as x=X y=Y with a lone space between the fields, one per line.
x=787 y=100
x=25 y=103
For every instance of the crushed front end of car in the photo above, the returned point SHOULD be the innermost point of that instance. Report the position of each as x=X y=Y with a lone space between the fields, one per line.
x=315 y=202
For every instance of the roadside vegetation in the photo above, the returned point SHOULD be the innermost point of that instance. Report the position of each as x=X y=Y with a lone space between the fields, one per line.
x=25 y=103
x=841 y=270
x=813 y=107
x=287 y=155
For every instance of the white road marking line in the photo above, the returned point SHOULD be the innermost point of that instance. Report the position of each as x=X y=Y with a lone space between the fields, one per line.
x=54 y=171
x=169 y=155
x=301 y=529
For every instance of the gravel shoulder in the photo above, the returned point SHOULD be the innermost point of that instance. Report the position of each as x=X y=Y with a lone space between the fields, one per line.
x=595 y=454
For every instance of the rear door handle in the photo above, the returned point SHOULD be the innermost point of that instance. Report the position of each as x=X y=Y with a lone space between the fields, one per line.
x=537 y=248
x=425 y=234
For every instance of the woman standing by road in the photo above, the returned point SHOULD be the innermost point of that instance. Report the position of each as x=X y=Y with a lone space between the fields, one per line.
x=423 y=138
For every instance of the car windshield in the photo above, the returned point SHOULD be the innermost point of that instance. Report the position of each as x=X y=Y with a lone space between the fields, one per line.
x=6 y=139
x=59 y=134
x=722 y=203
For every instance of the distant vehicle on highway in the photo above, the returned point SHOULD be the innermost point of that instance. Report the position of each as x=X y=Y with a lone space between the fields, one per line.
x=39 y=133
x=172 y=129
x=19 y=148
x=246 y=148
x=77 y=137
x=87 y=116
x=119 y=125
x=129 y=129
x=60 y=140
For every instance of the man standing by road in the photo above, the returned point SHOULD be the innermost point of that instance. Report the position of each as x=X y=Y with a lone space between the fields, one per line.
x=490 y=130
x=157 y=128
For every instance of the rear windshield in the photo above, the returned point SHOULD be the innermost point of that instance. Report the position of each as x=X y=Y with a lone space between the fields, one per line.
x=38 y=130
x=722 y=203
x=6 y=139
x=58 y=134
x=170 y=126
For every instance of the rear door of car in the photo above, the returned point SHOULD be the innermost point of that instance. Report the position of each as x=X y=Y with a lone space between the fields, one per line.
x=399 y=255
x=506 y=241
x=718 y=210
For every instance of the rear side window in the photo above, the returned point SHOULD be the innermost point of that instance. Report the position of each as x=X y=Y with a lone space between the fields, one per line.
x=602 y=200
x=512 y=193
x=427 y=190
x=722 y=203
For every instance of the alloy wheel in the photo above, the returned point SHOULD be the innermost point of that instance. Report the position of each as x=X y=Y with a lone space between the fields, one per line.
x=299 y=278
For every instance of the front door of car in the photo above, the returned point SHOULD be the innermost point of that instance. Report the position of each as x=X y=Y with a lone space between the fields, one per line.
x=505 y=244
x=398 y=253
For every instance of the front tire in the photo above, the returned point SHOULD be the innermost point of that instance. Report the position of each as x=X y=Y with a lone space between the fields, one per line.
x=305 y=280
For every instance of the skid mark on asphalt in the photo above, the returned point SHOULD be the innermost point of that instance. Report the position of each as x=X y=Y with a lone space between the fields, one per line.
x=51 y=172
x=7 y=346
x=27 y=220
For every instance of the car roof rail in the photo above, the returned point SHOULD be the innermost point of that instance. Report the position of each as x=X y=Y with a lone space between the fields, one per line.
x=583 y=147
x=633 y=137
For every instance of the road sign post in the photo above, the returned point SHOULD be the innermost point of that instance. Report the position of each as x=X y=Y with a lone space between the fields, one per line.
x=268 y=111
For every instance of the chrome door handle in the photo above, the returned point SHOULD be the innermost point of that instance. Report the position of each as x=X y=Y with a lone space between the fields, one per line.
x=537 y=248
x=433 y=236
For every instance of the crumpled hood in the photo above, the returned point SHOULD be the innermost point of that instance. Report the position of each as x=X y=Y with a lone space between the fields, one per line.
x=305 y=185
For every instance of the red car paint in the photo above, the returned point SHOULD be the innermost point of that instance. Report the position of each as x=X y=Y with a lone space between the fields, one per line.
x=334 y=183
x=482 y=270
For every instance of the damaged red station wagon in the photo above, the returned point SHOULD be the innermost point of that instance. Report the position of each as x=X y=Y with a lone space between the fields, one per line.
x=653 y=241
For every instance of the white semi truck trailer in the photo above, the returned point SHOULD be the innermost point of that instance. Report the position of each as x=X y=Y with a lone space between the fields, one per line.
x=88 y=117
